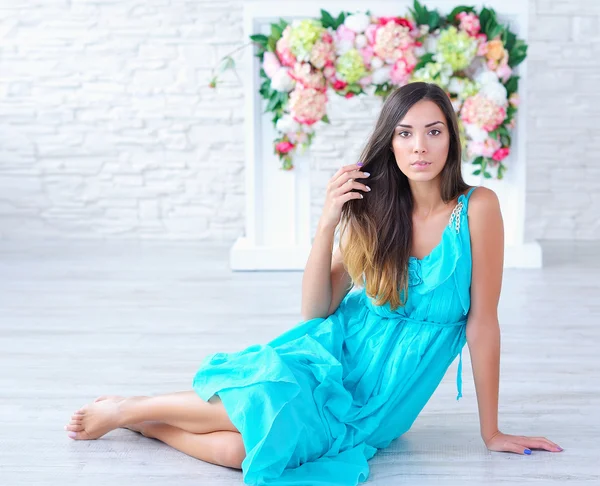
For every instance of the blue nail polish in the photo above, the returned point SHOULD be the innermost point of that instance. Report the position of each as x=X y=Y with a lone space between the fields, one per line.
x=527 y=451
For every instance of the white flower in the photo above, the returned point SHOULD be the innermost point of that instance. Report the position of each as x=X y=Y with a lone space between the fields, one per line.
x=361 y=41
x=282 y=81
x=495 y=92
x=431 y=43
x=376 y=62
x=381 y=75
x=475 y=133
x=485 y=76
x=357 y=22
x=343 y=46
x=286 y=124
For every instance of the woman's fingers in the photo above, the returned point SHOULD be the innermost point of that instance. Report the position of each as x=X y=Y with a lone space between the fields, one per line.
x=538 y=443
x=344 y=176
x=352 y=185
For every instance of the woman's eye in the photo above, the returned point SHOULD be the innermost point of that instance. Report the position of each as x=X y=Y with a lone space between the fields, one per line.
x=402 y=134
x=436 y=130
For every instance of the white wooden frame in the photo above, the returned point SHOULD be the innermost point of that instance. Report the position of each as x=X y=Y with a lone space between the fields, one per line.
x=278 y=202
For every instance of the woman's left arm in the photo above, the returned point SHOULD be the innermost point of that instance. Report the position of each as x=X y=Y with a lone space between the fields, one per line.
x=483 y=330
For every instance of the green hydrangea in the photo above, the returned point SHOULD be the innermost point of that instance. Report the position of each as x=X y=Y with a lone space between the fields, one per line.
x=433 y=72
x=456 y=48
x=350 y=66
x=303 y=36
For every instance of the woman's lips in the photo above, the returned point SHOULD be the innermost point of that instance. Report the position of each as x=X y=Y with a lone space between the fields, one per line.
x=421 y=164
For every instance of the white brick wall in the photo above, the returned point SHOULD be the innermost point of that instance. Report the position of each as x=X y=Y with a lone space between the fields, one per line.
x=108 y=128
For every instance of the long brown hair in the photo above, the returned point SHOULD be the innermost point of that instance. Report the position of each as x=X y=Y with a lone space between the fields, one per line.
x=379 y=226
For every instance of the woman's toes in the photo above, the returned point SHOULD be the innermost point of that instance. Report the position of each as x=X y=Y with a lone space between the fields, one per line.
x=74 y=427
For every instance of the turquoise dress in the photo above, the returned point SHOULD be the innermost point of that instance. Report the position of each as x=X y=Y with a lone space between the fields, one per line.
x=316 y=403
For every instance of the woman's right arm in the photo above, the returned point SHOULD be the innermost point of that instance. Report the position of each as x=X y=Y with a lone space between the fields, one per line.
x=325 y=281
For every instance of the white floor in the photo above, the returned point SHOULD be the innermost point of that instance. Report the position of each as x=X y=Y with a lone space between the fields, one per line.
x=80 y=319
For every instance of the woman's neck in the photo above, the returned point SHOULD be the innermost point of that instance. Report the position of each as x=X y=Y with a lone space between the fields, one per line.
x=427 y=198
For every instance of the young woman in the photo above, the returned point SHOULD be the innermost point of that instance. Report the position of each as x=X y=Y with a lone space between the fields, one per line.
x=425 y=253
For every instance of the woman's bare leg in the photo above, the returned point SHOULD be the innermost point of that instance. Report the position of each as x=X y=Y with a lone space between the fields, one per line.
x=222 y=448
x=184 y=410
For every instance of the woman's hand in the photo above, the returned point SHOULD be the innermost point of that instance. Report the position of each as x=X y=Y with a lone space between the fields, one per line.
x=339 y=191
x=519 y=444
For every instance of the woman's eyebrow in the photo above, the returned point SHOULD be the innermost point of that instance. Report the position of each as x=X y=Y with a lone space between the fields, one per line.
x=426 y=126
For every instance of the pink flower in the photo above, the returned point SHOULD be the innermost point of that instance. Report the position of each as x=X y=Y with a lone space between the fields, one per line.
x=400 y=72
x=370 y=33
x=307 y=105
x=469 y=22
x=329 y=72
x=390 y=41
x=308 y=76
x=298 y=137
x=284 y=147
x=514 y=99
x=343 y=33
x=367 y=54
x=322 y=53
x=483 y=112
x=504 y=71
x=366 y=81
x=487 y=148
x=501 y=154
x=397 y=20
x=270 y=64
x=338 y=84
x=349 y=94
x=282 y=48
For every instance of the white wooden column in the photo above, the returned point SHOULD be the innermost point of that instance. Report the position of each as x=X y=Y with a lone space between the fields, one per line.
x=278 y=202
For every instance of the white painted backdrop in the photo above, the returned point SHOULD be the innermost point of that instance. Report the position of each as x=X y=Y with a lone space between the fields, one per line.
x=279 y=220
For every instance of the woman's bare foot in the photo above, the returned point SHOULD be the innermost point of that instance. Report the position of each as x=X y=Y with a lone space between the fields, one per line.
x=99 y=418
x=94 y=420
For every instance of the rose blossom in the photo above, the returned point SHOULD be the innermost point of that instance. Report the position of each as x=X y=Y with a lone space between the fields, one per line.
x=501 y=154
x=270 y=64
x=284 y=147
x=469 y=22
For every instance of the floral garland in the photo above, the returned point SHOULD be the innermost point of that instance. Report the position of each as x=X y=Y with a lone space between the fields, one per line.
x=469 y=54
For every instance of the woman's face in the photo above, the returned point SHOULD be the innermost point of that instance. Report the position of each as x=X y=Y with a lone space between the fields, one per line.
x=421 y=141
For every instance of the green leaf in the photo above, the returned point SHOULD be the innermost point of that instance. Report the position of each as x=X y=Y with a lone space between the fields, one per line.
x=487 y=175
x=276 y=31
x=501 y=170
x=518 y=53
x=327 y=20
x=478 y=160
x=226 y=63
x=508 y=39
x=477 y=172
x=260 y=39
x=325 y=119
x=512 y=85
x=425 y=59
x=271 y=44
x=434 y=20
x=340 y=19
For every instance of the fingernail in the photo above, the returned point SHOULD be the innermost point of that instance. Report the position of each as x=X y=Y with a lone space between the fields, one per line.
x=72 y=435
x=560 y=448
x=367 y=174
x=360 y=164
x=527 y=451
